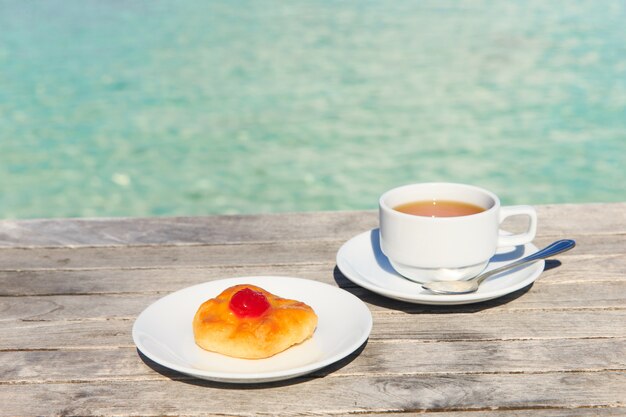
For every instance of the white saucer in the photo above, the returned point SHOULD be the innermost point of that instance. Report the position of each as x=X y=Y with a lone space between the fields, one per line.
x=163 y=332
x=362 y=262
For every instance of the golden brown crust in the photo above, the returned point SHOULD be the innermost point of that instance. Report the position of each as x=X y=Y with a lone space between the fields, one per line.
x=284 y=324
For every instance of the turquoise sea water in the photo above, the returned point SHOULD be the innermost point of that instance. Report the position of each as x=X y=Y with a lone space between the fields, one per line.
x=190 y=107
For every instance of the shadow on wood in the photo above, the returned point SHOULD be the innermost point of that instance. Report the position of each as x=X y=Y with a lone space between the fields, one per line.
x=381 y=301
x=187 y=379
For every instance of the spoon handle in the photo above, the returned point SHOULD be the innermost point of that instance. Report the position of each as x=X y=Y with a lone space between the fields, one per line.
x=553 y=249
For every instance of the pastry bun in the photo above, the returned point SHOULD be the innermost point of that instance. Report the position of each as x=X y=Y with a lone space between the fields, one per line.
x=246 y=321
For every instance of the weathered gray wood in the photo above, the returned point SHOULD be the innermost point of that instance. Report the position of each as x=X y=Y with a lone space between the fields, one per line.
x=498 y=325
x=71 y=289
x=400 y=357
x=388 y=325
x=535 y=412
x=268 y=254
x=571 y=270
x=143 y=280
x=553 y=220
x=540 y=296
x=324 y=396
x=184 y=230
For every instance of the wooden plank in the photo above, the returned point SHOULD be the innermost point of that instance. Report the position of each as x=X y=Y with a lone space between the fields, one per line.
x=185 y=230
x=144 y=280
x=534 y=412
x=587 y=245
x=487 y=325
x=268 y=254
x=597 y=219
x=66 y=315
x=376 y=358
x=572 y=270
x=322 y=396
x=127 y=306
x=394 y=325
x=560 y=220
x=170 y=256
x=69 y=307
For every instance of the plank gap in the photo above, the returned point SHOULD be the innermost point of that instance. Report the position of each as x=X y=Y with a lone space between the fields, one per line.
x=510 y=339
x=165 y=268
x=522 y=408
x=181 y=377
x=170 y=245
x=468 y=310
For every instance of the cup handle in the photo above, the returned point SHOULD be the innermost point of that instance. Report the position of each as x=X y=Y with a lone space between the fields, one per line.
x=521 y=238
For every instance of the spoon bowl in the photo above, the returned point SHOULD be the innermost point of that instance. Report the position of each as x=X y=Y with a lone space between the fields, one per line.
x=472 y=284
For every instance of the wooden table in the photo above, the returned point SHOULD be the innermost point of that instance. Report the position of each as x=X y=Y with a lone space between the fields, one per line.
x=71 y=290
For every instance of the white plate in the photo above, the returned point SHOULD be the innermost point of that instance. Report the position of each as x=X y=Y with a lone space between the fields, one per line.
x=163 y=332
x=362 y=262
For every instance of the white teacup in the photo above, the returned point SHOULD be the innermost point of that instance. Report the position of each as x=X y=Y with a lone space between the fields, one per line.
x=424 y=248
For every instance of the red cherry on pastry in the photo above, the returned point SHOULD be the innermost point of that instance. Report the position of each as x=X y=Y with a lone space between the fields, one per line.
x=248 y=303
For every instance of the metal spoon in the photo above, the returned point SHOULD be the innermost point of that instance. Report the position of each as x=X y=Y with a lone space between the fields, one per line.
x=471 y=285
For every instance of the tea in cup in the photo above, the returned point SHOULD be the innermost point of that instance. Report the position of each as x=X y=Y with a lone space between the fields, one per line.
x=445 y=231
